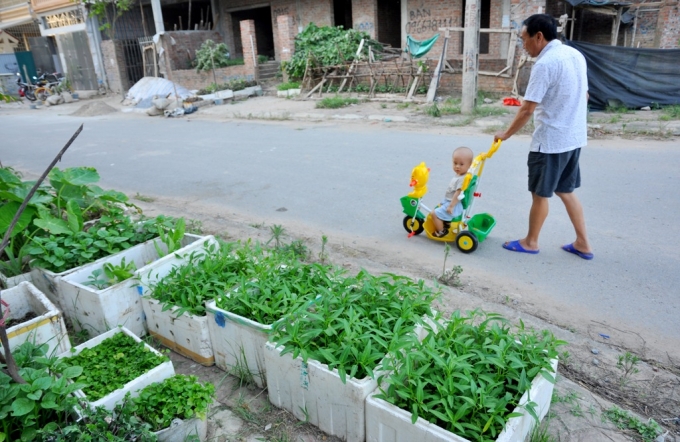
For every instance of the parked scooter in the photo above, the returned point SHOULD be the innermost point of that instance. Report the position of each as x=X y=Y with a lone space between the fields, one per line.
x=26 y=89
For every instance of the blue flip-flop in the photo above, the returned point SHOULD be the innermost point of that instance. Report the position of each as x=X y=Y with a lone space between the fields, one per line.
x=515 y=246
x=571 y=249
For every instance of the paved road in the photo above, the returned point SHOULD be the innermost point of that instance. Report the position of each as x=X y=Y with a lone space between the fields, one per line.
x=345 y=181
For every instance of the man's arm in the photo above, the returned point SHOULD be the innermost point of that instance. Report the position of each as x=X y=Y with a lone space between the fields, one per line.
x=522 y=117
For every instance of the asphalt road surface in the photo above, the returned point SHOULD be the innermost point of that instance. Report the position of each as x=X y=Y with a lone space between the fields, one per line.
x=345 y=181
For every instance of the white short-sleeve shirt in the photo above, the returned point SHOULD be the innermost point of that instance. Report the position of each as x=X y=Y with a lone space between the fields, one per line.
x=559 y=84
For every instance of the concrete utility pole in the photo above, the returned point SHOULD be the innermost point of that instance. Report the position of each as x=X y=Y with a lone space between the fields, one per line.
x=470 y=56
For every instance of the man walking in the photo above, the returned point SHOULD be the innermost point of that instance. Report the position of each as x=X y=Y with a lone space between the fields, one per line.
x=557 y=96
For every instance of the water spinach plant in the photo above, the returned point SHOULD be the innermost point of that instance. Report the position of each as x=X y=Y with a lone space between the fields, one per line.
x=112 y=364
x=469 y=375
x=111 y=274
x=279 y=285
x=206 y=274
x=177 y=397
x=354 y=327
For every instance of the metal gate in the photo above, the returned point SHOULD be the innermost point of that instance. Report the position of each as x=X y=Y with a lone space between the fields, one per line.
x=44 y=54
x=78 y=58
x=132 y=26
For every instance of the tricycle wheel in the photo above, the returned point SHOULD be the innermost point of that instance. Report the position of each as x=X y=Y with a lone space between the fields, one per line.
x=414 y=225
x=466 y=242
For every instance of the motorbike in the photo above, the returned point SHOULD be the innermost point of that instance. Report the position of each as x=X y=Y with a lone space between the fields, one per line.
x=26 y=89
x=49 y=84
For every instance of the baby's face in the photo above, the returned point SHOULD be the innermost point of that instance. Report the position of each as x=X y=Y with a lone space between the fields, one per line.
x=461 y=163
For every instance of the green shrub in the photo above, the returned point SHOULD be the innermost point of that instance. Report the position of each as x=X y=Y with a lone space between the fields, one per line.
x=211 y=55
x=326 y=44
x=288 y=86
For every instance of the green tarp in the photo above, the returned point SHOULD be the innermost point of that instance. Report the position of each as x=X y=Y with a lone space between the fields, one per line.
x=419 y=48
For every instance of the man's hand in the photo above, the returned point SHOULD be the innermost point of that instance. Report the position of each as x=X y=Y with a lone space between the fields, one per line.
x=500 y=136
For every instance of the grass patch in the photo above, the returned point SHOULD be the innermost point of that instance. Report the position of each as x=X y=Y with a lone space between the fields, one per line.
x=615 y=119
x=433 y=111
x=617 y=109
x=402 y=106
x=624 y=420
x=146 y=199
x=673 y=112
x=288 y=86
x=335 y=102
x=488 y=111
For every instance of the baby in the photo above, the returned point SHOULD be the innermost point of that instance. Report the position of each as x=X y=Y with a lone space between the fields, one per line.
x=451 y=207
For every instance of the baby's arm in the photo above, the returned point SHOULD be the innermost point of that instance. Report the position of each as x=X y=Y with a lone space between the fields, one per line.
x=454 y=201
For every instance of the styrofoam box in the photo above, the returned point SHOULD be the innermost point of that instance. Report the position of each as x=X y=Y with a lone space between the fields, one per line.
x=14 y=281
x=334 y=407
x=48 y=325
x=238 y=341
x=187 y=334
x=180 y=430
x=387 y=423
x=98 y=311
x=156 y=374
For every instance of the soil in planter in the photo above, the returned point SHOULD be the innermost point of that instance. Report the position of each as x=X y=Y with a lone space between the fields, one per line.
x=27 y=317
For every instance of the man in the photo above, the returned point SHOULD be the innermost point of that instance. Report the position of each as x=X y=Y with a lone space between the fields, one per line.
x=557 y=96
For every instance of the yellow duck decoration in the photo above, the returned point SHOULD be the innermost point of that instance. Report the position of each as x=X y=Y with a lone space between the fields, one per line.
x=419 y=177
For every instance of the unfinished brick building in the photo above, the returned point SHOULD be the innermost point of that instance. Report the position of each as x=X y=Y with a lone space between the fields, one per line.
x=645 y=24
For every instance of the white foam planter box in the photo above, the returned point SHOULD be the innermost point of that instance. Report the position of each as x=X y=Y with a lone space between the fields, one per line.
x=187 y=335
x=98 y=311
x=181 y=430
x=156 y=374
x=235 y=338
x=13 y=281
x=334 y=407
x=388 y=423
x=46 y=328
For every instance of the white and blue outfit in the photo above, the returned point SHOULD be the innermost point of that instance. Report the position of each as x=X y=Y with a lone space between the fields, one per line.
x=441 y=213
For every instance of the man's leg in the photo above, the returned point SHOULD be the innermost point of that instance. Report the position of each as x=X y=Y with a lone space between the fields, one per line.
x=575 y=211
x=539 y=212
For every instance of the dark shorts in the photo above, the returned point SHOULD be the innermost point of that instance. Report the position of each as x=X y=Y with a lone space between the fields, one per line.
x=554 y=172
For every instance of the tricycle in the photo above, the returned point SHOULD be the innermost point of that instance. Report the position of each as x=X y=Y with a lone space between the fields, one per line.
x=466 y=230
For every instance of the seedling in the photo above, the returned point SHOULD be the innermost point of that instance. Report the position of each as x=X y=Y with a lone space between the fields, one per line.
x=172 y=238
x=277 y=232
x=322 y=254
x=624 y=420
x=111 y=274
x=627 y=363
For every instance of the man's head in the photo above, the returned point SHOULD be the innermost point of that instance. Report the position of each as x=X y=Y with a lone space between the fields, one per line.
x=462 y=159
x=537 y=31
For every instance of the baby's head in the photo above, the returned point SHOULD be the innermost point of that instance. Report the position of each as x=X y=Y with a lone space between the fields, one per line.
x=462 y=159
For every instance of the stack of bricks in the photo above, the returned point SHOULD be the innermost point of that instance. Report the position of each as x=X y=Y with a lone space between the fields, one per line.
x=249 y=42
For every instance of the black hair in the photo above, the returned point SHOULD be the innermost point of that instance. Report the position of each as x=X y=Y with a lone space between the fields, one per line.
x=542 y=23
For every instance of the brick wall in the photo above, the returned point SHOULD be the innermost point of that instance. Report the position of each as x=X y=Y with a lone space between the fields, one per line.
x=365 y=16
x=286 y=36
x=181 y=54
x=668 y=27
x=191 y=79
x=114 y=65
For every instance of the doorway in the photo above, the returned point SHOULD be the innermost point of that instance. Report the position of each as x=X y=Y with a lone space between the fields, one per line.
x=389 y=22
x=264 y=30
x=342 y=13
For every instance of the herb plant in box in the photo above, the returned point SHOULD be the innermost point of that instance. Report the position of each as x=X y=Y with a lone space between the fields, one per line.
x=45 y=402
x=115 y=363
x=105 y=293
x=176 y=408
x=175 y=295
x=473 y=380
x=240 y=320
x=59 y=254
x=339 y=344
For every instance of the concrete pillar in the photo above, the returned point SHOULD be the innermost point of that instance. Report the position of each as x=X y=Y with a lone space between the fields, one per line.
x=157 y=16
x=470 y=56
x=249 y=42
x=286 y=30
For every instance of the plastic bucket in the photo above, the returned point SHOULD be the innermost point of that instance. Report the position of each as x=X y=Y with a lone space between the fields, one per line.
x=481 y=225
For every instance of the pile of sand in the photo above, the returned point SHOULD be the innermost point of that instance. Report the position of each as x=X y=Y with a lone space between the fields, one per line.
x=94 y=109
